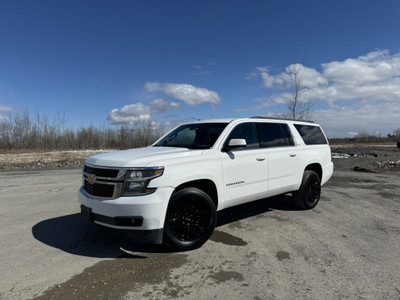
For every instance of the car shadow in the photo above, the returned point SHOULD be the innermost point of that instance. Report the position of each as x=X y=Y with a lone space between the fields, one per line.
x=74 y=234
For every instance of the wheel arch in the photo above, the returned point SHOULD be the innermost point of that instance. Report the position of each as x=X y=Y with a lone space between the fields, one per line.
x=316 y=167
x=206 y=185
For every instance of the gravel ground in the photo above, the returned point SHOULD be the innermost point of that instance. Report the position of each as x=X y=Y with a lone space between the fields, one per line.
x=345 y=248
x=375 y=158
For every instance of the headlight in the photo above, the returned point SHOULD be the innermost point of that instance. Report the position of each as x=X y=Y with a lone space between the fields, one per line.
x=137 y=180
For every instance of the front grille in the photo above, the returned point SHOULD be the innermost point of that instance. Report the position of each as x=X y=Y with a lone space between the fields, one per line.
x=98 y=189
x=99 y=172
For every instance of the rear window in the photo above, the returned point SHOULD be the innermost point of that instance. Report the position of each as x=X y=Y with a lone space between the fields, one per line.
x=274 y=135
x=312 y=135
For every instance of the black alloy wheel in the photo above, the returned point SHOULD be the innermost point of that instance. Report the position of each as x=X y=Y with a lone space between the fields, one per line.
x=307 y=197
x=190 y=219
x=312 y=192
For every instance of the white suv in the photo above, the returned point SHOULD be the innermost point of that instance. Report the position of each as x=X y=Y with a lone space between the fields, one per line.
x=170 y=192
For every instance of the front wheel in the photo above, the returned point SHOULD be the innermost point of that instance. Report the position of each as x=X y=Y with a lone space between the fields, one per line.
x=190 y=220
x=307 y=197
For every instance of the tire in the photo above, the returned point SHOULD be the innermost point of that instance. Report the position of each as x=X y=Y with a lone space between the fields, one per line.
x=307 y=196
x=190 y=220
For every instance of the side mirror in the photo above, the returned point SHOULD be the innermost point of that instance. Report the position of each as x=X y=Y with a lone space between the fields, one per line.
x=235 y=144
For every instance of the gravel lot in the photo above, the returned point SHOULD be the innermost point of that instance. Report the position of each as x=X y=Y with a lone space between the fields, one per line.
x=346 y=248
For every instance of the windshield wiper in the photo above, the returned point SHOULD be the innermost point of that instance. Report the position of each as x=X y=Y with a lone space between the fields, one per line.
x=192 y=147
x=200 y=147
x=172 y=146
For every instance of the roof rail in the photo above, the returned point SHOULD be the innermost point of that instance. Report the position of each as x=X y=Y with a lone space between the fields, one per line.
x=276 y=118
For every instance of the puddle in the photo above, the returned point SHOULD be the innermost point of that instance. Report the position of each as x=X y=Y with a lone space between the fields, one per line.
x=281 y=255
x=324 y=199
x=112 y=279
x=227 y=239
x=223 y=276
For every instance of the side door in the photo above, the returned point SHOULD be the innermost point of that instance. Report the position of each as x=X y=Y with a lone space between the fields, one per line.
x=283 y=172
x=245 y=170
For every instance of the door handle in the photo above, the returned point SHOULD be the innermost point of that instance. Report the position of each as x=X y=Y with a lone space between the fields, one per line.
x=261 y=158
x=292 y=154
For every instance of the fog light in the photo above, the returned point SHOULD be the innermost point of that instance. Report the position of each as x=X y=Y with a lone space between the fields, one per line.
x=137 y=221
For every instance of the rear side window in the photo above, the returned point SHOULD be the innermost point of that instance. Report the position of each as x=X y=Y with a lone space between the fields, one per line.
x=312 y=135
x=274 y=135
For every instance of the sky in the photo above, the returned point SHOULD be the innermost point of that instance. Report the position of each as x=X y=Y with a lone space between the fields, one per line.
x=114 y=63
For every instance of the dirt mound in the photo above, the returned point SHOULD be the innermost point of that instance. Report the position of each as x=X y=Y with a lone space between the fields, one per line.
x=41 y=160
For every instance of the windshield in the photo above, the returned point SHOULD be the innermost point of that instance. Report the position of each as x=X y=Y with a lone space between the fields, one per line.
x=193 y=136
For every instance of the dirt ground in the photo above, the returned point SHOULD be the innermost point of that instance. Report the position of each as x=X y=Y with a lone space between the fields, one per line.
x=345 y=248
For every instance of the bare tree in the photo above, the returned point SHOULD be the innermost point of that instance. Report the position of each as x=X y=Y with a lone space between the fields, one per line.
x=6 y=128
x=397 y=133
x=299 y=107
x=21 y=131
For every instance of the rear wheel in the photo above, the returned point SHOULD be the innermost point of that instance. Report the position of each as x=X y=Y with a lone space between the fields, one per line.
x=190 y=219
x=307 y=197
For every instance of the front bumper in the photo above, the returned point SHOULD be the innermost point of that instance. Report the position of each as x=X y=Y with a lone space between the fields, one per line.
x=142 y=216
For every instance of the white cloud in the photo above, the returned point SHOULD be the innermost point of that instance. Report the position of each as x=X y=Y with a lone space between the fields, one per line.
x=271 y=81
x=130 y=114
x=266 y=102
x=5 y=112
x=367 y=117
x=311 y=77
x=372 y=76
x=160 y=106
x=6 y=109
x=139 y=112
x=364 y=70
x=361 y=93
x=187 y=93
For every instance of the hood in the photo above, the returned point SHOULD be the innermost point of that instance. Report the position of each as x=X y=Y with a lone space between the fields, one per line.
x=141 y=157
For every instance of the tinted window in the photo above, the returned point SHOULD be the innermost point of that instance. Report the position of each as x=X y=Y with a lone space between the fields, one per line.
x=312 y=135
x=274 y=135
x=245 y=131
x=288 y=134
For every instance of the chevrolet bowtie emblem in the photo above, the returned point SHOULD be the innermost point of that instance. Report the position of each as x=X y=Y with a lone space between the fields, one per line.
x=91 y=179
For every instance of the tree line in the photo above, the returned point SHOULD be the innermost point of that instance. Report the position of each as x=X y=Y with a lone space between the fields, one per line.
x=23 y=131
x=20 y=131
